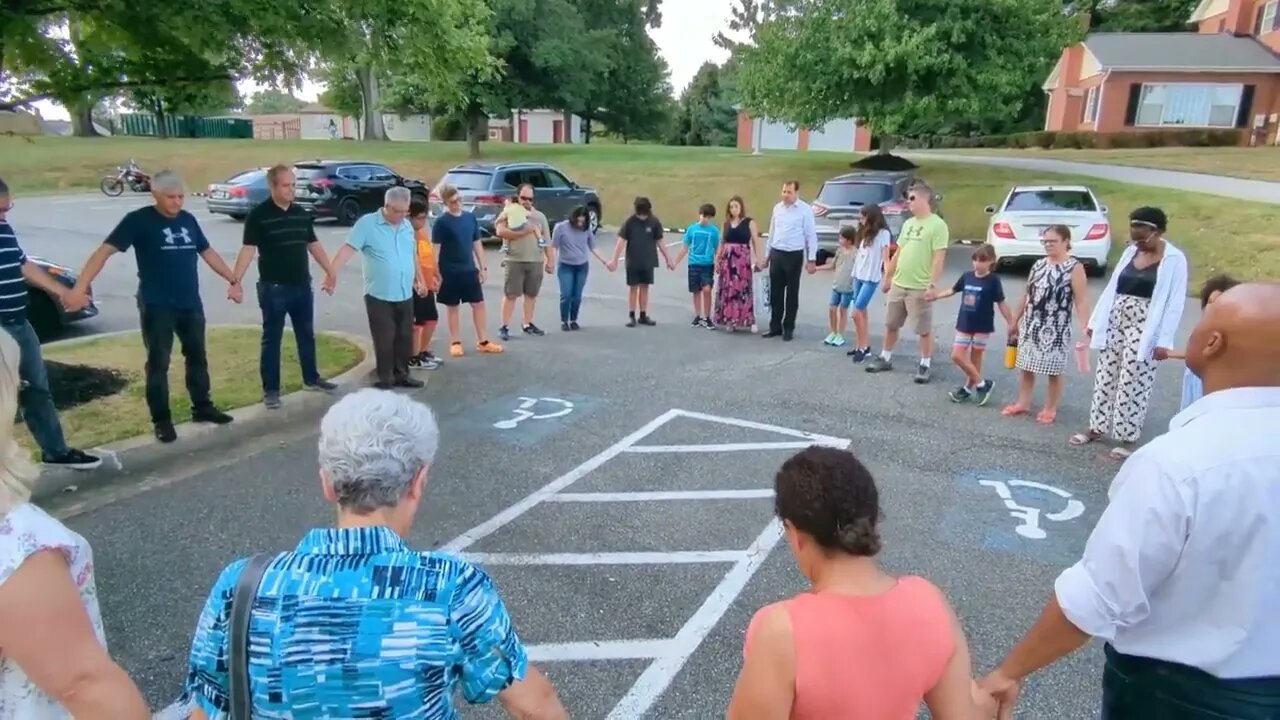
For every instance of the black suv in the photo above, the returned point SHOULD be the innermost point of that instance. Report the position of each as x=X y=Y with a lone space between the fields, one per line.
x=842 y=197
x=485 y=188
x=346 y=189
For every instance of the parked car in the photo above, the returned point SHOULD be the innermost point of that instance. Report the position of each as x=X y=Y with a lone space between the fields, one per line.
x=347 y=189
x=485 y=188
x=841 y=198
x=238 y=194
x=1018 y=222
x=44 y=312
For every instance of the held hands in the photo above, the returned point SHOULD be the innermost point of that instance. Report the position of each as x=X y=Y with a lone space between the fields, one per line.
x=547 y=268
x=1161 y=353
x=612 y=265
x=811 y=267
x=671 y=265
x=930 y=295
x=330 y=282
x=235 y=293
x=420 y=288
x=73 y=300
x=1000 y=691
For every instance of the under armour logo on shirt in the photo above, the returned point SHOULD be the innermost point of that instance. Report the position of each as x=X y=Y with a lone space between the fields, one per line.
x=182 y=237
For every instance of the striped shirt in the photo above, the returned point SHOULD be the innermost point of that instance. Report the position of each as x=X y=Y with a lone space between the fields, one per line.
x=13 y=287
x=353 y=623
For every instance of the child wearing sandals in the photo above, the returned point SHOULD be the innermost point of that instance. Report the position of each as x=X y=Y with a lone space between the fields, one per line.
x=982 y=293
x=1192 y=386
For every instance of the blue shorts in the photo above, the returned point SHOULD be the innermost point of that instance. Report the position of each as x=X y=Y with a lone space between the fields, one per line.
x=863 y=292
x=841 y=299
x=701 y=277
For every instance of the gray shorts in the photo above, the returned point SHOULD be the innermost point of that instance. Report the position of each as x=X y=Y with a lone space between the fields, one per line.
x=523 y=278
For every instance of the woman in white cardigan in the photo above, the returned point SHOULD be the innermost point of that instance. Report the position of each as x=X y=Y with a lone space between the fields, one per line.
x=1133 y=326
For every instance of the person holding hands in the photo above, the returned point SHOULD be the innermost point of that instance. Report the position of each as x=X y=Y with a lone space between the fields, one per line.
x=982 y=293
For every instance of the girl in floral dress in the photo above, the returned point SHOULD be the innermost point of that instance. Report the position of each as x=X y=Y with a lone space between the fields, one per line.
x=735 y=258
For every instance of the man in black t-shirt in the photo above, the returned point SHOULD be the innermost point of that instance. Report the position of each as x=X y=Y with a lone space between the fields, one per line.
x=641 y=237
x=283 y=236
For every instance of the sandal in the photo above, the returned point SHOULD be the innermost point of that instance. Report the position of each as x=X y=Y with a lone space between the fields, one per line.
x=1120 y=453
x=1014 y=410
x=455 y=349
x=1047 y=417
x=1084 y=438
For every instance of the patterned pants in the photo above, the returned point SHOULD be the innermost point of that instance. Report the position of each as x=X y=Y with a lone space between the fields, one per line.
x=1122 y=384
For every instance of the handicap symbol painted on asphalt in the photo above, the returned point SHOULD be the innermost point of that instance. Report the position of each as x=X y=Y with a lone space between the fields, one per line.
x=1021 y=512
x=523 y=412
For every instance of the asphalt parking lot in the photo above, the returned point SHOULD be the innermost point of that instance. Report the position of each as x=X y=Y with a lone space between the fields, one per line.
x=615 y=482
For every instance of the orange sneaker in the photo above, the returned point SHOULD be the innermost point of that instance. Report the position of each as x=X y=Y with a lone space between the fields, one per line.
x=455 y=349
x=489 y=347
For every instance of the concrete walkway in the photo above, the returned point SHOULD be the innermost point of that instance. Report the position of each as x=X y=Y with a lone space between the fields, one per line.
x=1236 y=188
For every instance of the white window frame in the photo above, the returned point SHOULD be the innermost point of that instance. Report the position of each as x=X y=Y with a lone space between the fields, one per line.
x=1265 y=24
x=1091 y=98
x=1164 y=107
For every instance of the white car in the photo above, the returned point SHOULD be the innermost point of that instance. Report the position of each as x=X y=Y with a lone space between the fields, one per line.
x=1017 y=224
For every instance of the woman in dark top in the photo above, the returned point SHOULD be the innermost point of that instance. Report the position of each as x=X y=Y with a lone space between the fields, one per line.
x=735 y=258
x=1133 y=326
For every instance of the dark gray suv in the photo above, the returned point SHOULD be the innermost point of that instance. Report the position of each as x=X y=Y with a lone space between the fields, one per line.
x=485 y=187
x=842 y=197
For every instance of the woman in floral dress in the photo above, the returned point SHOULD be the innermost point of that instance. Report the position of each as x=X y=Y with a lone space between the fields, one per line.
x=1056 y=289
x=735 y=258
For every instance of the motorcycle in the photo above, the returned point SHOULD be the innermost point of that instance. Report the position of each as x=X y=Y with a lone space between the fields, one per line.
x=128 y=175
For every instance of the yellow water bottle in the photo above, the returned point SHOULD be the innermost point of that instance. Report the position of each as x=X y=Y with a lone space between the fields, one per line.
x=1011 y=353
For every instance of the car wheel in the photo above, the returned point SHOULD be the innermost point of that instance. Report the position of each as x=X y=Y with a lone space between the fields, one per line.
x=1095 y=271
x=44 y=315
x=593 y=218
x=348 y=212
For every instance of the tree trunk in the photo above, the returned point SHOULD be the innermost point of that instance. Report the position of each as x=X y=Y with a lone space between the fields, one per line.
x=567 y=133
x=370 y=94
x=162 y=129
x=586 y=131
x=82 y=119
x=477 y=122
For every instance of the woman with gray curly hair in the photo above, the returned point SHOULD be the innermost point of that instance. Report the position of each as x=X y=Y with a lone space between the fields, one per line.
x=353 y=622
x=53 y=656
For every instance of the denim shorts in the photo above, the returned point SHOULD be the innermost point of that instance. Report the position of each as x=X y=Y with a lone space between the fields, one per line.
x=863 y=292
x=701 y=277
x=841 y=299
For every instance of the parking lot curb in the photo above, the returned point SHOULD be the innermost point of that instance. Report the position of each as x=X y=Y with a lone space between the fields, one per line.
x=136 y=457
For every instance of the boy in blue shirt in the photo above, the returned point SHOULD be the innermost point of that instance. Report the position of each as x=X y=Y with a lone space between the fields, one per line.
x=1192 y=386
x=975 y=322
x=700 y=243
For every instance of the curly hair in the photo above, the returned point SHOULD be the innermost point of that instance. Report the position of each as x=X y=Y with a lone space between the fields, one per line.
x=830 y=495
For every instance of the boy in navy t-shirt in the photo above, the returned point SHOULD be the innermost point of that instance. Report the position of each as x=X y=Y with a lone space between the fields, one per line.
x=981 y=294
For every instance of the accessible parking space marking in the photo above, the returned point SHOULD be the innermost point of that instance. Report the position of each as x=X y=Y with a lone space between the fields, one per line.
x=668 y=656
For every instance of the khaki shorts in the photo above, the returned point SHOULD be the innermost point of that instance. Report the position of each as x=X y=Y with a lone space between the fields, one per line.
x=523 y=278
x=903 y=304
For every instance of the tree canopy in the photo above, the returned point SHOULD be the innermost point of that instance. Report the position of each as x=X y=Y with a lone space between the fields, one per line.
x=902 y=66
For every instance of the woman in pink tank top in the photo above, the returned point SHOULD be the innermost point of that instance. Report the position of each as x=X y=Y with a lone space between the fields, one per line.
x=861 y=644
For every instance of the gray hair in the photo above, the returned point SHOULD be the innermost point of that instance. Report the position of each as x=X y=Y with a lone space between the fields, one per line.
x=398 y=195
x=16 y=471
x=372 y=443
x=167 y=181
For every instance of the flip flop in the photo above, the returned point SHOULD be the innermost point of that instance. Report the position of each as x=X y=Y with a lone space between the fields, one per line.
x=1083 y=438
x=1046 y=417
x=1014 y=410
x=1120 y=453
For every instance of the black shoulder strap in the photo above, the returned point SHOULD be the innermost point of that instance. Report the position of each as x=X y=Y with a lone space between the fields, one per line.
x=238 y=643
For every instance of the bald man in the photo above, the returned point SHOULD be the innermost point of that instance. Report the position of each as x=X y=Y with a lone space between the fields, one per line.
x=1181 y=576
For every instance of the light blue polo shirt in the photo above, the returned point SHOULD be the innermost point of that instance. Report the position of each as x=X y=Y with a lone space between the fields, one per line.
x=389 y=253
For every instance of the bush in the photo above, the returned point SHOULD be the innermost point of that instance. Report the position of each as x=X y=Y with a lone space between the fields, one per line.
x=1190 y=137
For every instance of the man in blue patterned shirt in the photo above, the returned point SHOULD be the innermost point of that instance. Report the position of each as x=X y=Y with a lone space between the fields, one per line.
x=353 y=623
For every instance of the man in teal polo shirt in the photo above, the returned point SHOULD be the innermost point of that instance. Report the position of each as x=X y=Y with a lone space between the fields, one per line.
x=387 y=247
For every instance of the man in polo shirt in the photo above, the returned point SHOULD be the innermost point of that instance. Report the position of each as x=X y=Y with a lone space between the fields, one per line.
x=528 y=261
x=793 y=244
x=36 y=400
x=282 y=235
x=166 y=242
x=386 y=243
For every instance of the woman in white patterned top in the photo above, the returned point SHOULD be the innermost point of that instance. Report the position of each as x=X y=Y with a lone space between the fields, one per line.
x=53 y=657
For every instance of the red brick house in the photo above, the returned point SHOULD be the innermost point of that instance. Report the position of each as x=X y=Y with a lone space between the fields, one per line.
x=847 y=135
x=1225 y=74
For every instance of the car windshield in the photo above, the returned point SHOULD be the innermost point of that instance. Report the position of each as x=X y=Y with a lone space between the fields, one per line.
x=247 y=177
x=836 y=194
x=1050 y=201
x=308 y=172
x=468 y=179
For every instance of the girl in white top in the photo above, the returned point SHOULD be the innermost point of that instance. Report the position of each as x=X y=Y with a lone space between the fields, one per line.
x=53 y=656
x=874 y=241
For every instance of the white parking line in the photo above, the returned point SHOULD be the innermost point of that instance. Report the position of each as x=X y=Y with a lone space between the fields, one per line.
x=720 y=447
x=752 y=494
x=608 y=650
x=686 y=557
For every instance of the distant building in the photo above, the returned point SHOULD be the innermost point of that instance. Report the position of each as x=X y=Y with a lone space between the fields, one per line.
x=538 y=127
x=836 y=136
x=317 y=122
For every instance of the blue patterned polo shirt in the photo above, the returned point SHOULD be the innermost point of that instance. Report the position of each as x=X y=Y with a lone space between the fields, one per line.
x=354 y=624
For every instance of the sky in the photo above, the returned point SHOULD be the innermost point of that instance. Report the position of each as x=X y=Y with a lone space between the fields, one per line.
x=685 y=40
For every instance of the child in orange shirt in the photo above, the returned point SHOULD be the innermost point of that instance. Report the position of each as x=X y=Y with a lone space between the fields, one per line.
x=425 y=314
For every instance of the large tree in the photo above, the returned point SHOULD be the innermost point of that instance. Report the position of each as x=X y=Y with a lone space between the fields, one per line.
x=628 y=91
x=902 y=66
x=273 y=101
x=1141 y=15
x=707 y=114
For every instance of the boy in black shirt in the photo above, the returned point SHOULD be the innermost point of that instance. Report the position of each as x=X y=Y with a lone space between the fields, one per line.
x=976 y=321
x=641 y=236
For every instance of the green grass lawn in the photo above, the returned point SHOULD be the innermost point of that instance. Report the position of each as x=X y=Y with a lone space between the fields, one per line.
x=233 y=372
x=1219 y=235
x=1255 y=163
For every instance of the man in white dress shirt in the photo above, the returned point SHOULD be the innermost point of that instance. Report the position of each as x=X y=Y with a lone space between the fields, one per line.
x=793 y=244
x=1181 y=576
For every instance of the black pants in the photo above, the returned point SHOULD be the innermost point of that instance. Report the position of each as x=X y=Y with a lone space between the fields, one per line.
x=785 y=267
x=159 y=326
x=1138 y=688
x=391 y=327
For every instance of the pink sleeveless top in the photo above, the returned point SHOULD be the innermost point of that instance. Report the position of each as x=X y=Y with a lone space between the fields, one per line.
x=867 y=657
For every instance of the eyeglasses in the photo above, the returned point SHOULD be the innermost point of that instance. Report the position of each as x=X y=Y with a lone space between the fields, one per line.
x=525 y=198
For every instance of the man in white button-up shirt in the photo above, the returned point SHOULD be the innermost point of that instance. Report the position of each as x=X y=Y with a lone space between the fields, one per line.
x=1181 y=576
x=793 y=244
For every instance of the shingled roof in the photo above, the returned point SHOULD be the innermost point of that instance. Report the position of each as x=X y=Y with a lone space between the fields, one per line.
x=1173 y=52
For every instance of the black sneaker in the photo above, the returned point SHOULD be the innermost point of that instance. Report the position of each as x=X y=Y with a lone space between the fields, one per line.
x=573 y=325
x=878 y=365
x=74 y=459
x=646 y=320
x=983 y=392
x=322 y=385
x=631 y=321
x=706 y=323
x=859 y=354
x=271 y=400
x=564 y=326
x=697 y=322
x=923 y=374
x=788 y=335
x=408 y=382
x=532 y=329
x=165 y=432
x=504 y=334
x=960 y=394
x=211 y=414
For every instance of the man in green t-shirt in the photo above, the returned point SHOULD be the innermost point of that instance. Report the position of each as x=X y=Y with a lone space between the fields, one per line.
x=913 y=271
